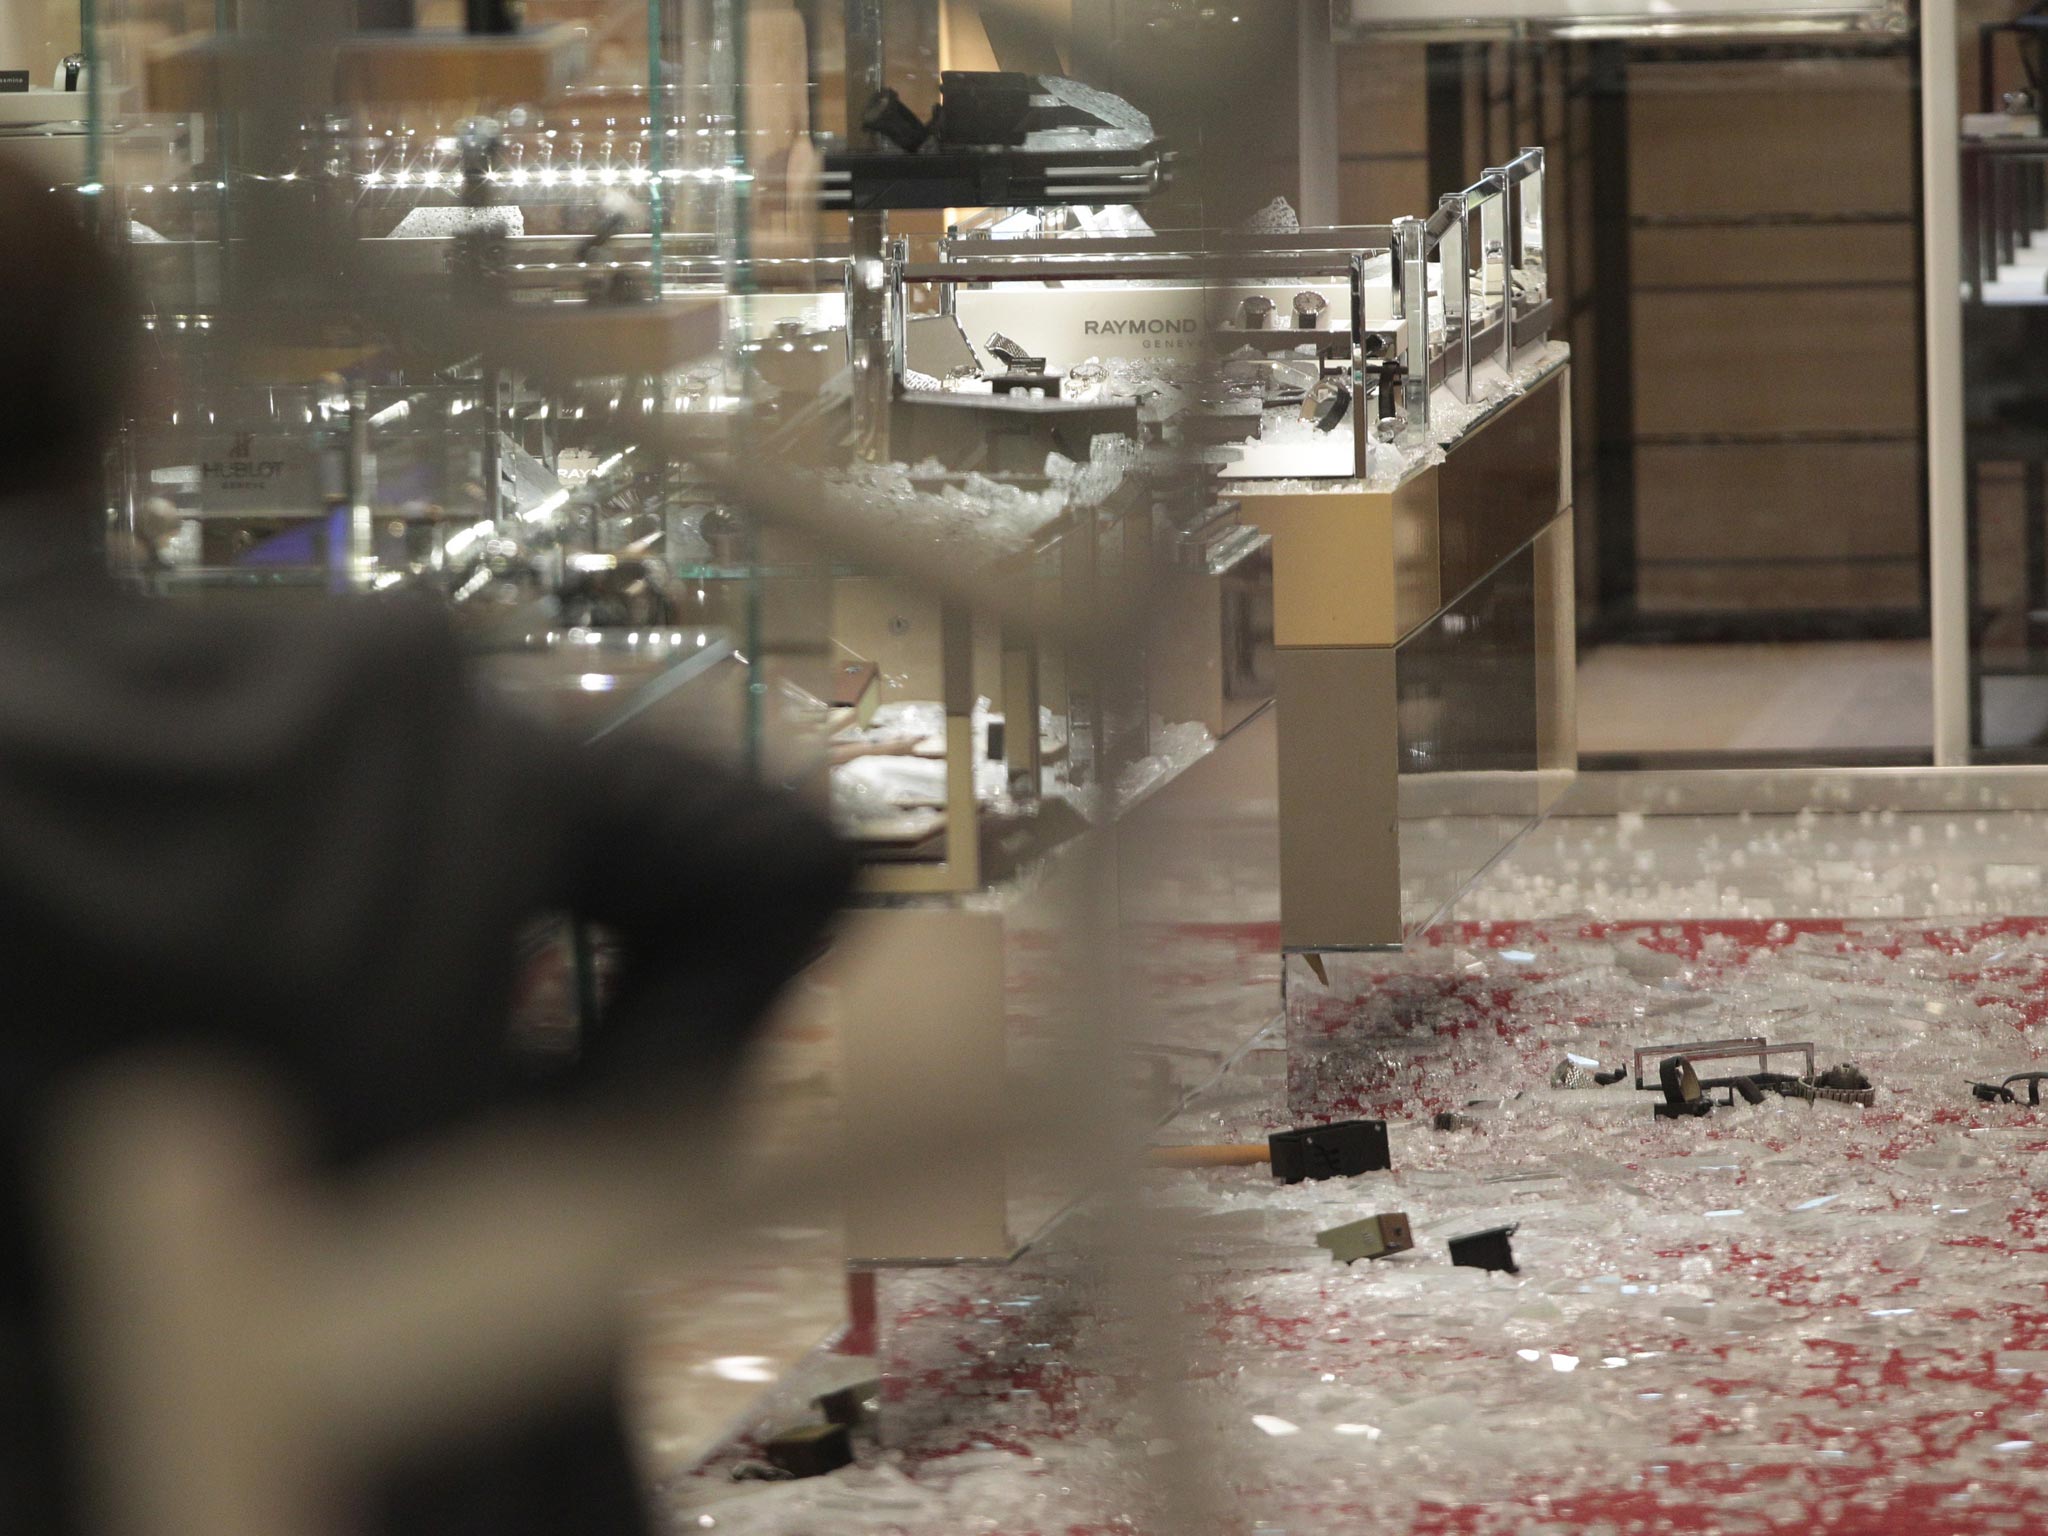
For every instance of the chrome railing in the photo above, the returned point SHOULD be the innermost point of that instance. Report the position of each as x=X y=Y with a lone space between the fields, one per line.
x=1511 y=309
x=1489 y=240
x=2005 y=220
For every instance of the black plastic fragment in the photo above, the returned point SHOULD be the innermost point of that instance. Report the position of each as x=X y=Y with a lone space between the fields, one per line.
x=811 y=1450
x=1329 y=1151
x=1486 y=1250
x=889 y=118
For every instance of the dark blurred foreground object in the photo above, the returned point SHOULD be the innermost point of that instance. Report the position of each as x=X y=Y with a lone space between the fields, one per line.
x=2030 y=30
x=483 y=17
x=493 y=17
x=310 y=842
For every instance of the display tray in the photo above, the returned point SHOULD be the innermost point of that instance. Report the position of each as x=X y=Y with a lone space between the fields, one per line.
x=596 y=681
x=902 y=839
x=61 y=111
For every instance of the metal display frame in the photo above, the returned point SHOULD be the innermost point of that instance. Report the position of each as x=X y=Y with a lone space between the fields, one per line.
x=1511 y=310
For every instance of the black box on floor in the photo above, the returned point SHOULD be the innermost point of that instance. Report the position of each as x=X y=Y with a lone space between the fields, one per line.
x=811 y=1450
x=1485 y=1250
x=850 y=1405
x=1329 y=1151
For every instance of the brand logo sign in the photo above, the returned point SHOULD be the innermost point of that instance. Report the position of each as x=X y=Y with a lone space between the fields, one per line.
x=242 y=468
x=1067 y=326
x=240 y=474
x=1146 y=328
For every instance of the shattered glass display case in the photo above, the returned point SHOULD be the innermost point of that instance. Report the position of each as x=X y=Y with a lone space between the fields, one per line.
x=799 y=386
x=900 y=459
x=1384 y=416
x=1178 y=615
x=510 y=315
x=439 y=309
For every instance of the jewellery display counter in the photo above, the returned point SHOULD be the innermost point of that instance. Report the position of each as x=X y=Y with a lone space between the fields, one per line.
x=482 y=318
x=1405 y=466
x=999 y=544
x=1024 y=727
x=1367 y=506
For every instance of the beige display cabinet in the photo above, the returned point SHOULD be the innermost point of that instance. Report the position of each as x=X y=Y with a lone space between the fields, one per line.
x=957 y=980
x=1424 y=672
x=1421 y=633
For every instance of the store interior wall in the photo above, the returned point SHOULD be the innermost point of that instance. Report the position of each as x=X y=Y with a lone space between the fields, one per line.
x=1740 y=269
x=1740 y=274
x=36 y=35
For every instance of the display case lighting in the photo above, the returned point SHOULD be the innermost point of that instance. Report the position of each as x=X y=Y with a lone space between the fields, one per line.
x=546 y=508
x=462 y=538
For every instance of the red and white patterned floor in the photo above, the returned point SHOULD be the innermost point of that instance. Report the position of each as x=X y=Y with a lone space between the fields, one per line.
x=1782 y=1316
